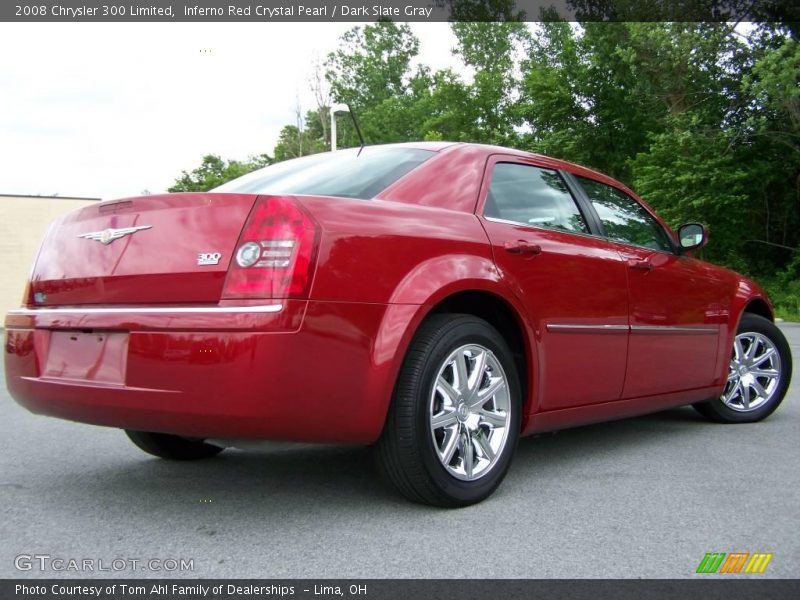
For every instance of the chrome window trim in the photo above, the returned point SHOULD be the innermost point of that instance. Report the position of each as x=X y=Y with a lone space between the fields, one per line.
x=127 y=310
x=581 y=234
x=648 y=248
x=540 y=228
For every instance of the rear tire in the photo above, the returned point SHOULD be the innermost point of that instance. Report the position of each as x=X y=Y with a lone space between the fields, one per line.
x=172 y=447
x=454 y=420
x=759 y=374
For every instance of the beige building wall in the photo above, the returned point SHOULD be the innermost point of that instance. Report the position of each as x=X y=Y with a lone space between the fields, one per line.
x=23 y=222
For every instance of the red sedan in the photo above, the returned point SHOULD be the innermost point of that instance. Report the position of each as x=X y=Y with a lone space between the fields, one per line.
x=437 y=300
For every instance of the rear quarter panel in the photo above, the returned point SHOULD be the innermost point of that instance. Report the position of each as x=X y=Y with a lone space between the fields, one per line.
x=403 y=257
x=387 y=252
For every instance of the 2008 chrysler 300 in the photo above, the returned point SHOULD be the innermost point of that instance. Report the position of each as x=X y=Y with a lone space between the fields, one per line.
x=437 y=300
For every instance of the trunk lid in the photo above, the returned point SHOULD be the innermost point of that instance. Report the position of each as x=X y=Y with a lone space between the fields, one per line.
x=166 y=249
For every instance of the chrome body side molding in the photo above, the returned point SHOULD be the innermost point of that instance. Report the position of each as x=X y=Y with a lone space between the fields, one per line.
x=575 y=328
x=137 y=310
x=633 y=329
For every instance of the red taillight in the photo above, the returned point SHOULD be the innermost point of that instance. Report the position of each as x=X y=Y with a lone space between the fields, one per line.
x=274 y=257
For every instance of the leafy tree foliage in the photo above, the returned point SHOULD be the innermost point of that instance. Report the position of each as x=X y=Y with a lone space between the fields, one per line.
x=491 y=49
x=310 y=136
x=699 y=118
x=215 y=171
x=372 y=64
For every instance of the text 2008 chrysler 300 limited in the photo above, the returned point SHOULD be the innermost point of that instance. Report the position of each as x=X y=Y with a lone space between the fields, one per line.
x=438 y=300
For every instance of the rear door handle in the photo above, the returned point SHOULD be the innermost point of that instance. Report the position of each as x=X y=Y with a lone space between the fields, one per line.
x=640 y=265
x=522 y=247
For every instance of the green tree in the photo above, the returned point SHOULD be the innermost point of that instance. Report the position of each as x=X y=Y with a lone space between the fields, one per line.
x=372 y=64
x=371 y=71
x=691 y=172
x=490 y=50
x=554 y=106
x=700 y=121
x=215 y=171
x=770 y=130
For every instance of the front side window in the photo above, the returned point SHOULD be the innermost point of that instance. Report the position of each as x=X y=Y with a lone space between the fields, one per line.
x=624 y=219
x=346 y=173
x=532 y=196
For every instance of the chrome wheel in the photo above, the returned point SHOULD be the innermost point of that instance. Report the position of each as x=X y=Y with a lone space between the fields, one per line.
x=469 y=412
x=754 y=373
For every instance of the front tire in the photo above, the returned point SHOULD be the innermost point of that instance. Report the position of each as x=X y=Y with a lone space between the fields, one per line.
x=454 y=420
x=758 y=374
x=172 y=447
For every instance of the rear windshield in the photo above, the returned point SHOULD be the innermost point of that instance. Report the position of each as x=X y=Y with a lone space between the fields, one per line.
x=343 y=173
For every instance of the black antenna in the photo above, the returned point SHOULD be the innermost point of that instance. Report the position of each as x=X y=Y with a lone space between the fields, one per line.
x=358 y=129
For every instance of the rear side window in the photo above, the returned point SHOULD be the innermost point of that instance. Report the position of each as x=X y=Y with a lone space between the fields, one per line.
x=624 y=219
x=532 y=196
x=344 y=173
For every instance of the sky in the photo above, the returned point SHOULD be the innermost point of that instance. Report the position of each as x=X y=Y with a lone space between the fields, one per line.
x=113 y=109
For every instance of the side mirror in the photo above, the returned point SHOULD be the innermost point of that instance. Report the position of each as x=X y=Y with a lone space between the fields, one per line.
x=692 y=236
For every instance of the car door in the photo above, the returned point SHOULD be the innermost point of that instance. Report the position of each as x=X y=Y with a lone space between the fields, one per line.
x=674 y=306
x=571 y=281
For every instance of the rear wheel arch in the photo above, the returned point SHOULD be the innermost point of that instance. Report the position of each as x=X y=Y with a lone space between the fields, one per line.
x=501 y=314
x=477 y=297
x=497 y=310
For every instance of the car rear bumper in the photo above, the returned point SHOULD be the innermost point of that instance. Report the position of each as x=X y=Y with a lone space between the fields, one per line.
x=304 y=371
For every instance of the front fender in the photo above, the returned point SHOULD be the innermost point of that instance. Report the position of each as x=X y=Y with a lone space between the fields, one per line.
x=746 y=292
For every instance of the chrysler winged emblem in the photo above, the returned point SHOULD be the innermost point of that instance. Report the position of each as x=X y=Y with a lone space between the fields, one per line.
x=109 y=235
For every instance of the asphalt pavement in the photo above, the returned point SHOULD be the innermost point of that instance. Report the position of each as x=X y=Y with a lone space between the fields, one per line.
x=642 y=497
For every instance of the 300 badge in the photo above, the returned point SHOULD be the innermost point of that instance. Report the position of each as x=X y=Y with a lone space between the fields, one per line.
x=208 y=258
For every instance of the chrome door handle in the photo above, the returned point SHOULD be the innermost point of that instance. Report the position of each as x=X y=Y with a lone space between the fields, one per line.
x=640 y=265
x=522 y=247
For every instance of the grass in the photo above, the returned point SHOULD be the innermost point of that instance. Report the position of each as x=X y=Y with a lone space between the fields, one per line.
x=785 y=296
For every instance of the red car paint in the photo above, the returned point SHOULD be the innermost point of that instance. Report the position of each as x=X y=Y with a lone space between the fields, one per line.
x=135 y=334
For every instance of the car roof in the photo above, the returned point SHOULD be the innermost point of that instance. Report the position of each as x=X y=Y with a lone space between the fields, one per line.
x=432 y=146
x=438 y=146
